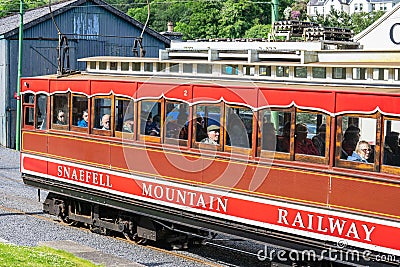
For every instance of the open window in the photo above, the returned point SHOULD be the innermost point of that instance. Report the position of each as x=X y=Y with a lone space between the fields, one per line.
x=357 y=138
x=102 y=120
x=150 y=123
x=80 y=113
x=275 y=126
x=390 y=149
x=60 y=111
x=124 y=118
x=207 y=132
x=311 y=136
x=239 y=129
x=176 y=126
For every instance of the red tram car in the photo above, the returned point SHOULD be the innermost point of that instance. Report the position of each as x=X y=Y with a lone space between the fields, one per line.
x=266 y=145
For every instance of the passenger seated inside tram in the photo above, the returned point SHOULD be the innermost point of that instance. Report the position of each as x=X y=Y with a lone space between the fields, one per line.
x=319 y=139
x=84 y=121
x=201 y=132
x=153 y=128
x=61 y=117
x=391 y=151
x=362 y=152
x=237 y=133
x=105 y=122
x=284 y=140
x=212 y=135
x=302 y=144
x=350 y=140
x=269 y=137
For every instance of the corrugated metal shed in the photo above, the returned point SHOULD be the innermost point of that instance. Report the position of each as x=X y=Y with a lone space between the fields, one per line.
x=93 y=28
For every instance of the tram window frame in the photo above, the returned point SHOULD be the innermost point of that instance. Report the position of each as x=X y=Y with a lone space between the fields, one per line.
x=389 y=168
x=187 y=68
x=232 y=116
x=264 y=70
x=41 y=112
x=339 y=162
x=143 y=117
x=300 y=72
x=208 y=121
x=125 y=66
x=28 y=107
x=282 y=71
x=288 y=117
x=249 y=70
x=320 y=159
x=229 y=69
x=180 y=127
x=380 y=74
x=318 y=72
x=204 y=68
x=173 y=68
x=359 y=74
x=98 y=112
x=77 y=111
x=56 y=108
x=339 y=73
x=124 y=119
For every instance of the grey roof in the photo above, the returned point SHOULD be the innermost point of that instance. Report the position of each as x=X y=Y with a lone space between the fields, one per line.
x=10 y=25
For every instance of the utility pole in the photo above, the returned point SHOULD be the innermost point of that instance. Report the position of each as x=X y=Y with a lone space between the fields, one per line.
x=20 y=39
x=274 y=11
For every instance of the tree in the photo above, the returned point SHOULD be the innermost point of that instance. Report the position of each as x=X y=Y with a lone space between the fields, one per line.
x=258 y=31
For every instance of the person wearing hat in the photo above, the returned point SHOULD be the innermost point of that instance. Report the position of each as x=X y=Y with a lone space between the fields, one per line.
x=213 y=135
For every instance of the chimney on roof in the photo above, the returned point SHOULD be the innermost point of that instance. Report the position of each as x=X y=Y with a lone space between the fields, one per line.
x=175 y=36
x=170 y=26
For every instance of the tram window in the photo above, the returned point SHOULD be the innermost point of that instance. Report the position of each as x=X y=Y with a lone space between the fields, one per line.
x=161 y=67
x=229 y=69
x=265 y=70
x=176 y=120
x=136 y=66
x=319 y=72
x=124 y=115
x=282 y=71
x=359 y=73
x=204 y=68
x=29 y=110
x=41 y=112
x=102 y=65
x=391 y=148
x=300 y=72
x=397 y=74
x=310 y=133
x=150 y=117
x=148 y=66
x=80 y=113
x=239 y=126
x=113 y=65
x=358 y=130
x=380 y=74
x=60 y=111
x=124 y=66
x=249 y=70
x=338 y=73
x=102 y=113
x=174 y=67
x=275 y=130
x=92 y=65
x=187 y=68
x=207 y=122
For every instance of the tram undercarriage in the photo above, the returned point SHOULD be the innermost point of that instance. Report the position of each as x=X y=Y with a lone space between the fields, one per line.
x=166 y=227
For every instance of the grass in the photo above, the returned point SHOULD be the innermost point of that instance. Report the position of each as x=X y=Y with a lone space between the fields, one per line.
x=11 y=255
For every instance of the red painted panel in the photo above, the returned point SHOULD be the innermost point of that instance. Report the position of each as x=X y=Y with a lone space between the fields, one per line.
x=321 y=100
x=124 y=88
x=89 y=152
x=34 y=142
x=246 y=96
x=34 y=85
x=76 y=86
x=35 y=165
x=347 y=102
x=377 y=197
x=156 y=90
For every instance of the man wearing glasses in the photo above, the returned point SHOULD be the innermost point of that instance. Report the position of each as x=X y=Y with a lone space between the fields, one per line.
x=362 y=152
x=105 y=122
